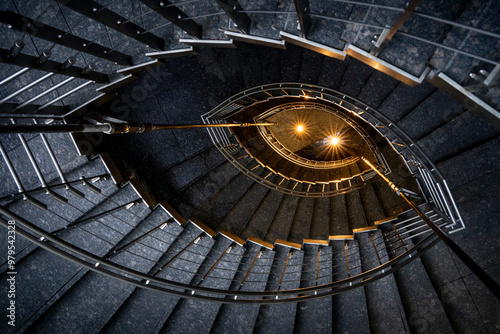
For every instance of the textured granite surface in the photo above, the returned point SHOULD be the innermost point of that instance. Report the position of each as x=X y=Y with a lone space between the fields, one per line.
x=421 y=303
x=239 y=215
x=280 y=317
x=383 y=294
x=315 y=316
x=349 y=309
x=464 y=146
x=241 y=318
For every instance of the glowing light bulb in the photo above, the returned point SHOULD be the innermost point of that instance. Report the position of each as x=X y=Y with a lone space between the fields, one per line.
x=300 y=128
x=334 y=141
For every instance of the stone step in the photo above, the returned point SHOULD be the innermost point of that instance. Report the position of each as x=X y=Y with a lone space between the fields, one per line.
x=194 y=196
x=290 y=63
x=217 y=207
x=355 y=77
x=64 y=152
x=378 y=88
x=371 y=205
x=96 y=237
x=239 y=216
x=145 y=311
x=101 y=295
x=339 y=222
x=405 y=99
x=312 y=65
x=355 y=211
x=280 y=318
x=301 y=225
x=316 y=270
x=241 y=318
x=423 y=309
x=249 y=64
x=385 y=309
x=262 y=218
x=457 y=66
x=349 y=309
x=269 y=59
x=59 y=215
x=420 y=121
x=414 y=60
x=456 y=136
x=210 y=274
x=321 y=217
x=283 y=219
x=187 y=172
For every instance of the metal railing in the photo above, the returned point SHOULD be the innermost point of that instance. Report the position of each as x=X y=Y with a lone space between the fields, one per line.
x=338 y=280
x=228 y=143
x=291 y=156
x=432 y=183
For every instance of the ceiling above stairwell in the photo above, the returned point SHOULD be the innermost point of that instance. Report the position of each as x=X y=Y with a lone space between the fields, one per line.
x=302 y=135
x=307 y=132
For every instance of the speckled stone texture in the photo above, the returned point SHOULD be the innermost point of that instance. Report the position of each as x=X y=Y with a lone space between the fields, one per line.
x=436 y=293
x=63 y=273
x=241 y=318
x=213 y=274
x=101 y=295
x=155 y=307
x=349 y=309
x=55 y=217
x=383 y=294
x=315 y=316
x=280 y=317
x=420 y=301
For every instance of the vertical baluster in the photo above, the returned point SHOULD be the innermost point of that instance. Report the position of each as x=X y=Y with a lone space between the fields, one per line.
x=249 y=269
x=284 y=269
x=228 y=249
x=17 y=181
x=195 y=240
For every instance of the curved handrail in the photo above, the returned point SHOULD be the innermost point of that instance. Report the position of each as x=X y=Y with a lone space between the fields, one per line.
x=291 y=156
x=416 y=160
x=98 y=264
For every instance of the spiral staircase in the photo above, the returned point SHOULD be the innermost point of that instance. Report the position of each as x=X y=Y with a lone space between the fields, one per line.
x=212 y=230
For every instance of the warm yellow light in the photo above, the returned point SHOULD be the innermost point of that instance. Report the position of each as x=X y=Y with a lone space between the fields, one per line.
x=300 y=128
x=334 y=141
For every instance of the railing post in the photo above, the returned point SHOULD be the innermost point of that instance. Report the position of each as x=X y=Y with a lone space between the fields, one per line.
x=347 y=259
x=195 y=240
x=234 y=10
x=38 y=172
x=249 y=269
x=161 y=226
x=304 y=20
x=228 y=249
x=375 y=248
x=172 y=13
x=42 y=63
x=284 y=269
x=78 y=222
x=17 y=181
x=317 y=265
